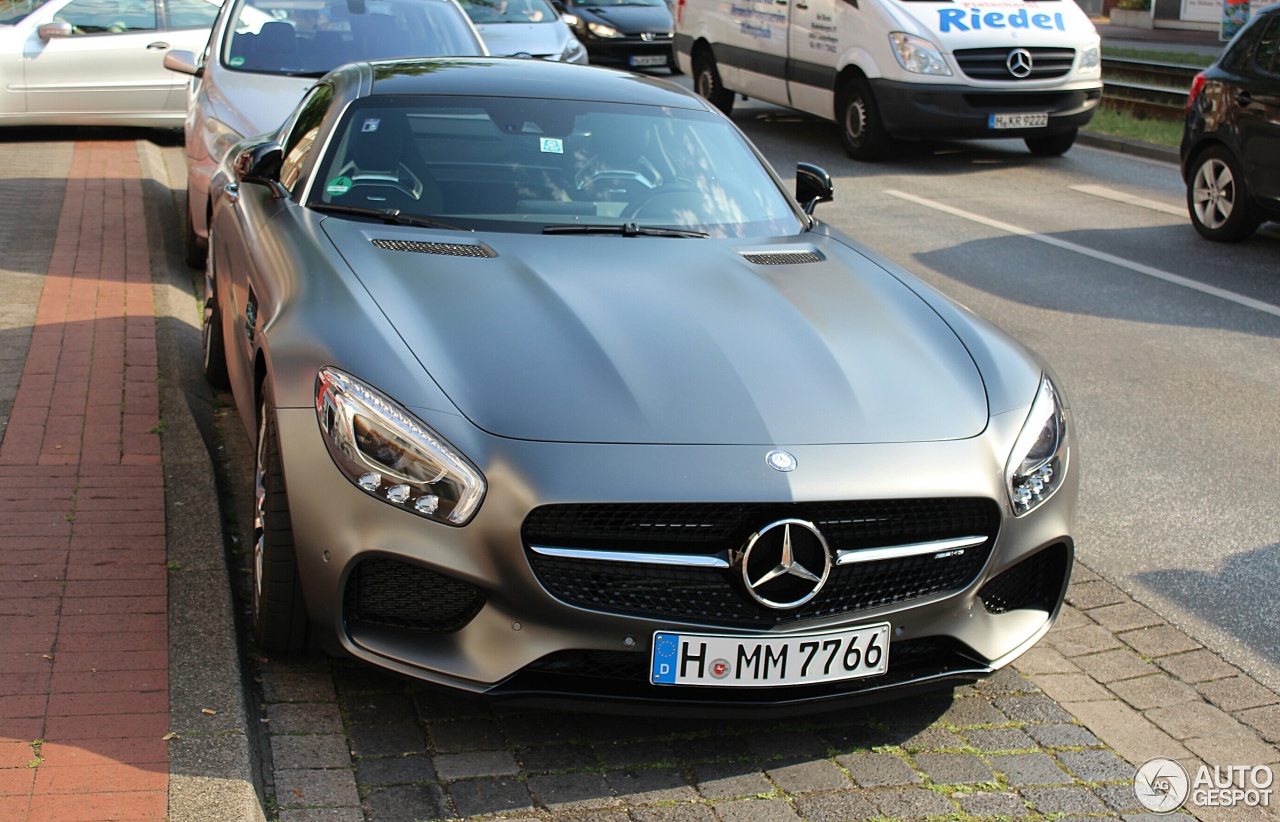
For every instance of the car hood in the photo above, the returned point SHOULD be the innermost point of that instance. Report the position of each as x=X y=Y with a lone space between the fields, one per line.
x=629 y=19
x=682 y=341
x=254 y=104
x=536 y=39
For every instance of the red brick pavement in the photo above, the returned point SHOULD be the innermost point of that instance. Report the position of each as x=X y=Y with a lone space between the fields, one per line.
x=84 y=683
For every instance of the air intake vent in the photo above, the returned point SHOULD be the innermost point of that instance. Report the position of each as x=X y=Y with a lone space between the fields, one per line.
x=782 y=257
x=447 y=249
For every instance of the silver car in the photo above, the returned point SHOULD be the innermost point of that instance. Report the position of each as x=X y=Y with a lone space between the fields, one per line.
x=525 y=28
x=264 y=54
x=97 y=62
x=559 y=393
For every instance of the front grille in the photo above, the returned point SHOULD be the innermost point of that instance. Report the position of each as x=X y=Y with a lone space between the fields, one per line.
x=992 y=63
x=782 y=257
x=718 y=595
x=447 y=249
x=394 y=594
x=1035 y=582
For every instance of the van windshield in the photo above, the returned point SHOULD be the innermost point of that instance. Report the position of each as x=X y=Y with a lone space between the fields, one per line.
x=312 y=37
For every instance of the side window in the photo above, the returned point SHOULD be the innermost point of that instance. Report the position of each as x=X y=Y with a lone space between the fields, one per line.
x=1267 y=56
x=302 y=137
x=189 y=14
x=108 y=16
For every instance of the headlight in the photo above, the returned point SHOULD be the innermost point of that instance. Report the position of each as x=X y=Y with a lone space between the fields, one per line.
x=601 y=30
x=574 y=53
x=219 y=138
x=1089 y=59
x=1038 y=462
x=389 y=454
x=570 y=20
x=917 y=56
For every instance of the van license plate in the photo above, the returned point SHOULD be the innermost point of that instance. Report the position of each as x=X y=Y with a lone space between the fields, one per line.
x=764 y=661
x=649 y=60
x=1039 y=120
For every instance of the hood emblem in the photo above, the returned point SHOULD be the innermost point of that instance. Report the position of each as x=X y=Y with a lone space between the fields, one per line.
x=780 y=461
x=1019 y=63
x=786 y=563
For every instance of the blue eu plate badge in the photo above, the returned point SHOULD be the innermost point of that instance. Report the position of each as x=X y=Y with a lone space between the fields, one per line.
x=666 y=648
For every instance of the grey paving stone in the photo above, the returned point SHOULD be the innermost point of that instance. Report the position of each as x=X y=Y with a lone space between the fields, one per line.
x=1093 y=594
x=1005 y=681
x=1125 y=616
x=786 y=744
x=310 y=751
x=1062 y=736
x=471 y=734
x=1045 y=660
x=724 y=780
x=379 y=709
x=1237 y=693
x=352 y=678
x=1087 y=639
x=297 y=686
x=968 y=712
x=540 y=728
x=571 y=756
x=1030 y=769
x=1111 y=666
x=386 y=740
x=1096 y=766
x=316 y=787
x=322 y=815
x=1077 y=687
x=675 y=813
x=1154 y=691
x=1161 y=640
x=1192 y=719
x=395 y=770
x=436 y=705
x=999 y=739
x=1070 y=617
x=1119 y=797
x=872 y=770
x=991 y=803
x=713 y=749
x=648 y=786
x=842 y=806
x=1080 y=573
x=402 y=802
x=954 y=768
x=572 y=791
x=808 y=776
x=1032 y=708
x=304 y=717
x=482 y=797
x=626 y=754
x=1266 y=721
x=475 y=763
x=933 y=739
x=1067 y=800
x=910 y=803
x=1242 y=747
x=756 y=810
x=1197 y=666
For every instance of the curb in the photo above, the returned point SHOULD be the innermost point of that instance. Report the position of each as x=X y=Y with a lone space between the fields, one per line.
x=1124 y=145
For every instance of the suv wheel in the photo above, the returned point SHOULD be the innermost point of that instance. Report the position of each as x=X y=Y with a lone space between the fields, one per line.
x=1217 y=197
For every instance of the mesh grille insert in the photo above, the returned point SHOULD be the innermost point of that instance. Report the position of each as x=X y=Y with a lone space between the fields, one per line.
x=1033 y=583
x=992 y=63
x=394 y=594
x=782 y=257
x=447 y=249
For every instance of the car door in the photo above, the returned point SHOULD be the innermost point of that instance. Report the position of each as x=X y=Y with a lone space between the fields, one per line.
x=815 y=41
x=1258 y=116
x=111 y=62
x=187 y=26
x=758 y=48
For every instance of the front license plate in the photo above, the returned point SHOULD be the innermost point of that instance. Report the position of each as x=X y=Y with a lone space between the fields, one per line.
x=1038 y=120
x=649 y=60
x=746 y=661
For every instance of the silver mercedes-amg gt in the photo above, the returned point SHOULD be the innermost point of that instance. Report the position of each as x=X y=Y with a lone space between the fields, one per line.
x=559 y=393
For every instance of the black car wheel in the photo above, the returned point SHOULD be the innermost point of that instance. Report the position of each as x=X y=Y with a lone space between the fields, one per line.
x=279 y=613
x=1217 y=197
x=1053 y=145
x=706 y=81
x=215 y=353
x=861 y=130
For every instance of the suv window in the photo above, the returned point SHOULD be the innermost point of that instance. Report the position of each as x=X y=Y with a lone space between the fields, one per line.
x=1267 y=56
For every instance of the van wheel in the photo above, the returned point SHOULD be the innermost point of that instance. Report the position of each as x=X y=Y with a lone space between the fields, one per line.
x=706 y=81
x=1217 y=197
x=1054 y=145
x=861 y=129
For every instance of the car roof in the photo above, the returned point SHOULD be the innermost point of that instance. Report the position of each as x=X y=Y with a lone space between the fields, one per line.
x=516 y=77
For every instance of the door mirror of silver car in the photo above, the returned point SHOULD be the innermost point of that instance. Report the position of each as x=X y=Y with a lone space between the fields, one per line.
x=183 y=62
x=813 y=186
x=58 y=28
x=261 y=164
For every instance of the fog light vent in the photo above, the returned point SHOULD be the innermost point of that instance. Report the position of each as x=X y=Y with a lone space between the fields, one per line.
x=1036 y=583
x=395 y=594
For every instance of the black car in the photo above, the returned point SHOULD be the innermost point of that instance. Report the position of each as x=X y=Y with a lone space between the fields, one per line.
x=636 y=34
x=1231 y=141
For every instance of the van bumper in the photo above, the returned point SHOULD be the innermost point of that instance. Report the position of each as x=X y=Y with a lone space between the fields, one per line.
x=920 y=110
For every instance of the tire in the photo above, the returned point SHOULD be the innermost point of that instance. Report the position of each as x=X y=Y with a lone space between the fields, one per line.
x=858 y=118
x=212 y=342
x=279 y=612
x=1053 y=145
x=1217 y=197
x=706 y=81
x=194 y=248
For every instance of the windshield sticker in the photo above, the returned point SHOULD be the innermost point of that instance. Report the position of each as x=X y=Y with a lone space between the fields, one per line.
x=370 y=125
x=338 y=186
x=551 y=145
x=977 y=20
x=236 y=61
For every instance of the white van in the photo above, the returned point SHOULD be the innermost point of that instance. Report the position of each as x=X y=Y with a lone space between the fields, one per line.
x=904 y=69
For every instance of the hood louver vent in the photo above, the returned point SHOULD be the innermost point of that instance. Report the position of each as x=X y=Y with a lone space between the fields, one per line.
x=447 y=249
x=782 y=257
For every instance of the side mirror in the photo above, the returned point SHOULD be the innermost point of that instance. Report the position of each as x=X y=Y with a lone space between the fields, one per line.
x=813 y=186
x=183 y=62
x=260 y=164
x=58 y=28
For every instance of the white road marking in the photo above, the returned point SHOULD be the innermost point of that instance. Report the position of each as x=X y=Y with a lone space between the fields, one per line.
x=1128 y=199
x=1221 y=293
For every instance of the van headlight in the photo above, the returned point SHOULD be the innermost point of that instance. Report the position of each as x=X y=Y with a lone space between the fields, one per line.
x=917 y=55
x=601 y=30
x=1090 y=58
x=388 y=453
x=1038 y=462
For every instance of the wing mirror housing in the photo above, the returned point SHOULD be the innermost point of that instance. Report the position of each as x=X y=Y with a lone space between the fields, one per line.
x=261 y=164
x=813 y=186
x=183 y=62
x=58 y=28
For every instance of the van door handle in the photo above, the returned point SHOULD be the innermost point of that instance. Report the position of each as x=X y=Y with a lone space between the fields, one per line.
x=157 y=46
x=804 y=6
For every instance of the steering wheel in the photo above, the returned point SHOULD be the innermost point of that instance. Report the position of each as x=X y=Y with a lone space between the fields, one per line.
x=635 y=207
x=614 y=174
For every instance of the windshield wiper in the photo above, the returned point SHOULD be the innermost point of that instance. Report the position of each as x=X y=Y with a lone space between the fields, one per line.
x=626 y=230
x=388 y=215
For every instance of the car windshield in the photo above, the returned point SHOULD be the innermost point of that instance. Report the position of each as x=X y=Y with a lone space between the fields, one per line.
x=486 y=12
x=552 y=166
x=13 y=11
x=315 y=36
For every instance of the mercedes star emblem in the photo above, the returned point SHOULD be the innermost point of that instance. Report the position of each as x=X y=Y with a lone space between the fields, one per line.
x=1019 y=62
x=786 y=563
x=780 y=461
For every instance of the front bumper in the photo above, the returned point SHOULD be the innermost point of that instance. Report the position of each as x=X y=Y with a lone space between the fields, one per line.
x=631 y=51
x=921 y=110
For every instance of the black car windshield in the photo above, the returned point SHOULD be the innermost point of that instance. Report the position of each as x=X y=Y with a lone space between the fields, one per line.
x=13 y=11
x=521 y=165
x=313 y=36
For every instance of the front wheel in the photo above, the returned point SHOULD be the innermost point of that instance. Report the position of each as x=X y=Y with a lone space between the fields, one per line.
x=706 y=81
x=858 y=116
x=1218 y=199
x=279 y=613
x=1054 y=145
